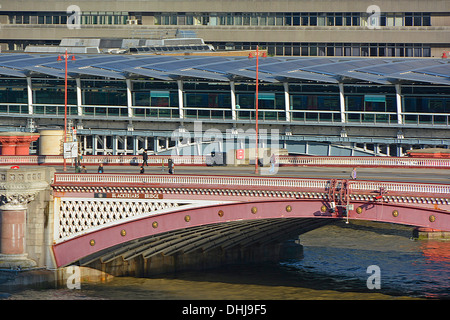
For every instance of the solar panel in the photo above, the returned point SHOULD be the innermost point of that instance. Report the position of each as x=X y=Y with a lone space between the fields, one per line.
x=252 y=75
x=98 y=72
x=369 y=77
x=225 y=68
x=200 y=74
x=420 y=77
x=186 y=63
x=394 y=66
x=334 y=68
x=148 y=73
x=11 y=72
x=442 y=70
x=307 y=76
x=291 y=65
x=48 y=71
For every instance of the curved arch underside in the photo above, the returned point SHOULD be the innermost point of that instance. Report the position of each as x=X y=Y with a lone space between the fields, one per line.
x=210 y=237
x=228 y=225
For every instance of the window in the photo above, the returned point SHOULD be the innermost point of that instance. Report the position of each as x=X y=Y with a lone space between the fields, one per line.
x=321 y=19
x=408 y=19
x=313 y=19
x=417 y=19
x=305 y=19
x=338 y=19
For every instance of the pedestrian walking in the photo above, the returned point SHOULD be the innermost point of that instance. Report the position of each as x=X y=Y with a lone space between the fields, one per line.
x=353 y=174
x=144 y=158
x=100 y=168
x=142 y=169
x=171 y=166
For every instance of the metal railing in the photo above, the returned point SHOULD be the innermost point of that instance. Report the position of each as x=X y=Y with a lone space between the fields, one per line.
x=237 y=182
x=403 y=188
x=191 y=181
x=364 y=161
x=282 y=160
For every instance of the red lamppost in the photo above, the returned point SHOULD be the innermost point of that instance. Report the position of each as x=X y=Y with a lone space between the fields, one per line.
x=66 y=57
x=263 y=54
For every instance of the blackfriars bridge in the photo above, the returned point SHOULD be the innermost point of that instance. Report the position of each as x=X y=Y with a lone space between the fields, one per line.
x=155 y=222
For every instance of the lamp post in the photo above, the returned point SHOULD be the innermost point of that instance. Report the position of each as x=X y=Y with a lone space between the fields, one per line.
x=263 y=54
x=66 y=57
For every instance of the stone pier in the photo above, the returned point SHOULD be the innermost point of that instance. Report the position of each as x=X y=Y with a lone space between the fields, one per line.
x=25 y=227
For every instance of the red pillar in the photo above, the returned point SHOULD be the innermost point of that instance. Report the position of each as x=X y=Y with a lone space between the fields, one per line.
x=8 y=145
x=13 y=144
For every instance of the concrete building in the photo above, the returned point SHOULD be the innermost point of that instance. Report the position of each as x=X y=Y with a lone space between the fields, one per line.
x=385 y=28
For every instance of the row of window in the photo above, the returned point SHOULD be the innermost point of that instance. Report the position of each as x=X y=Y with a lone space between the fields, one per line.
x=332 y=49
x=292 y=19
x=232 y=19
x=430 y=99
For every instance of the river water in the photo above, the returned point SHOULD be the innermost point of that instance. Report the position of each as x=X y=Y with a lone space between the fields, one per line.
x=335 y=266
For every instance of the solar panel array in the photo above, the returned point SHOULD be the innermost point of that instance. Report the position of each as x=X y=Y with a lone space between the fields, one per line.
x=228 y=68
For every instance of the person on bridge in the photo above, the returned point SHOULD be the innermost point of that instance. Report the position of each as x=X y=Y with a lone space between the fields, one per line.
x=272 y=163
x=353 y=174
x=142 y=169
x=144 y=158
x=171 y=166
x=100 y=168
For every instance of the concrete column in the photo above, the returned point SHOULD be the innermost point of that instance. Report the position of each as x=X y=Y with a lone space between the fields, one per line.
x=155 y=145
x=398 y=95
x=135 y=145
x=94 y=144
x=29 y=96
x=287 y=102
x=79 y=97
x=180 y=98
x=342 y=101
x=233 y=101
x=114 y=145
x=129 y=98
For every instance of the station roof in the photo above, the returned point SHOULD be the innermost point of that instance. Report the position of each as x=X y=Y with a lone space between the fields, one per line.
x=231 y=68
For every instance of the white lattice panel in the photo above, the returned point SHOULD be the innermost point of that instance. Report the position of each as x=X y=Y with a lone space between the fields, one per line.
x=75 y=216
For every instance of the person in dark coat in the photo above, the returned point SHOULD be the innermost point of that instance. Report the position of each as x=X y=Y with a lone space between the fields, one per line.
x=144 y=158
x=100 y=168
x=170 y=165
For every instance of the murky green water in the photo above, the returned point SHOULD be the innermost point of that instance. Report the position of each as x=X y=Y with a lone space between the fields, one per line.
x=334 y=266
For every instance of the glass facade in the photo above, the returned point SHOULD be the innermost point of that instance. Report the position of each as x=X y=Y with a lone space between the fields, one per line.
x=303 y=102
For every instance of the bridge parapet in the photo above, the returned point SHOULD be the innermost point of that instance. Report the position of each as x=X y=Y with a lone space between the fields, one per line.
x=251 y=183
